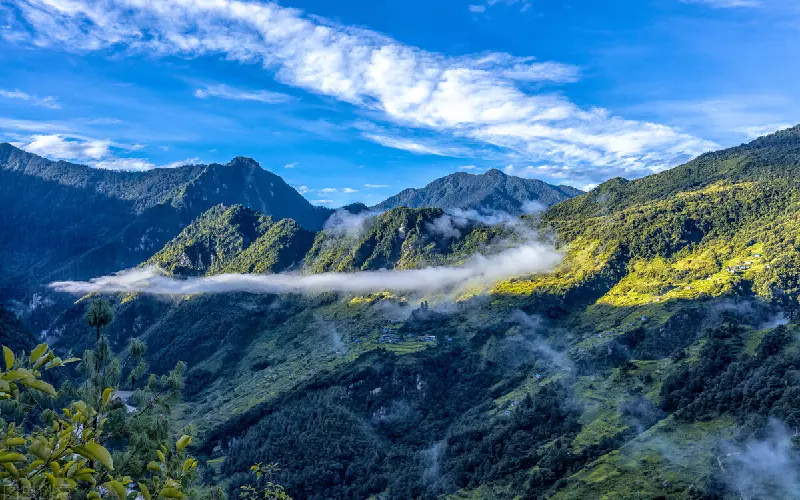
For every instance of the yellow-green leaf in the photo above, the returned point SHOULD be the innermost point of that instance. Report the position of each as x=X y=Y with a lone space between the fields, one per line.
x=15 y=441
x=8 y=355
x=39 y=385
x=117 y=488
x=161 y=456
x=189 y=464
x=153 y=467
x=144 y=491
x=183 y=442
x=94 y=451
x=11 y=457
x=170 y=493
x=38 y=351
x=107 y=393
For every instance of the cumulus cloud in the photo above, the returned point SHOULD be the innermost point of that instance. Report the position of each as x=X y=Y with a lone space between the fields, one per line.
x=64 y=148
x=526 y=259
x=303 y=189
x=226 y=92
x=45 y=102
x=350 y=190
x=328 y=190
x=475 y=99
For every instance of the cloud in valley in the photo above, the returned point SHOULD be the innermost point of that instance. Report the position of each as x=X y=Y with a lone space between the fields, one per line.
x=526 y=259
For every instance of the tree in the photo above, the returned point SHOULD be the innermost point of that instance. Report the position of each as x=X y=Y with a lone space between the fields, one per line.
x=99 y=315
x=64 y=455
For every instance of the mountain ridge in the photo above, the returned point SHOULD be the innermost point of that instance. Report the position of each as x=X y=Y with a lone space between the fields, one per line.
x=492 y=190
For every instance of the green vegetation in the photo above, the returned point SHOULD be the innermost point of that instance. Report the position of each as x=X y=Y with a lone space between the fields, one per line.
x=657 y=344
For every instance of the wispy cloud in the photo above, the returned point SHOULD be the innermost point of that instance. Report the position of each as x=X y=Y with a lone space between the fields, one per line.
x=726 y=4
x=476 y=99
x=323 y=202
x=350 y=190
x=376 y=186
x=303 y=189
x=523 y=5
x=226 y=92
x=328 y=190
x=45 y=102
x=414 y=146
x=290 y=165
x=526 y=259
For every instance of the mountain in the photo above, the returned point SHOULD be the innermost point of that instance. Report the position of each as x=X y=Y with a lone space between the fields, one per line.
x=63 y=220
x=660 y=359
x=492 y=190
x=234 y=239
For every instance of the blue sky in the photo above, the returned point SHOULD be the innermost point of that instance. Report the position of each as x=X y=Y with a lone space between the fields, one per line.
x=356 y=100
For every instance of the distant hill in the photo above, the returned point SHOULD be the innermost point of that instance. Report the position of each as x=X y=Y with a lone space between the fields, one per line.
x=63 y=220
x=492 y=190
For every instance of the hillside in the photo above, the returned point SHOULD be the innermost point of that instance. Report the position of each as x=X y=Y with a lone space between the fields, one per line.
x=492 y=190
x=98 y=221
x=659 y=360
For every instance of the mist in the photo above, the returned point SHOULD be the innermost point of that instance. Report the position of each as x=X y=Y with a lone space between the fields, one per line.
x=526 y=259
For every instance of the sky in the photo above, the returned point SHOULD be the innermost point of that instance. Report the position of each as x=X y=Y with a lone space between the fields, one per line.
x=356 y=100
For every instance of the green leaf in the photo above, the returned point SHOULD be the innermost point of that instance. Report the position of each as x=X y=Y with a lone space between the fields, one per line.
x=107 y=393
x=183 y=442
x=145 y=492
x=39 y=385
x=94 y=451
x=117 y=488
x=12 y=457
x=170 y=493
x=8 y=355
x=38 y=351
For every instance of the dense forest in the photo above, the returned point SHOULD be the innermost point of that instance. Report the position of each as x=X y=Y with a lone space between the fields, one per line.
x=659 y=359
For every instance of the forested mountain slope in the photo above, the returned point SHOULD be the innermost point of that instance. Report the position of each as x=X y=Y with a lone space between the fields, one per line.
x=63 y=220
x=492 y=190
x=660 y=359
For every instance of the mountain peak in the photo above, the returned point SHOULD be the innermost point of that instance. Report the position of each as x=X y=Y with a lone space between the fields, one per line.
x=492 y=190
x=243 y=161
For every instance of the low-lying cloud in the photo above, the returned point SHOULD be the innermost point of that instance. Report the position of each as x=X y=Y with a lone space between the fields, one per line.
x=526 y=259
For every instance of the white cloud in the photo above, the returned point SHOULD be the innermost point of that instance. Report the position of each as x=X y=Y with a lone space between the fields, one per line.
x=477 y=99
x=760 y=130
x=416 y=147
x=350 y=190
x=45 y=102
x=303 y=189
x=524 y=5
x=290 y=165
x=139 y=164
x=467 y=167
x=725 y=4
x=376 y=186
x=323 y=202
x=226 y=92
x=63 y=148
x=477 y=9
x=526 y=259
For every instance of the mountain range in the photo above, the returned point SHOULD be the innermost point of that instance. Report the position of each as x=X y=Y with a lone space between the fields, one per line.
x=660 y=359
x=110 y=220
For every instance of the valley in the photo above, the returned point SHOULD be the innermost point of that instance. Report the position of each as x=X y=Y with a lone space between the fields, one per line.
x=649 y=360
